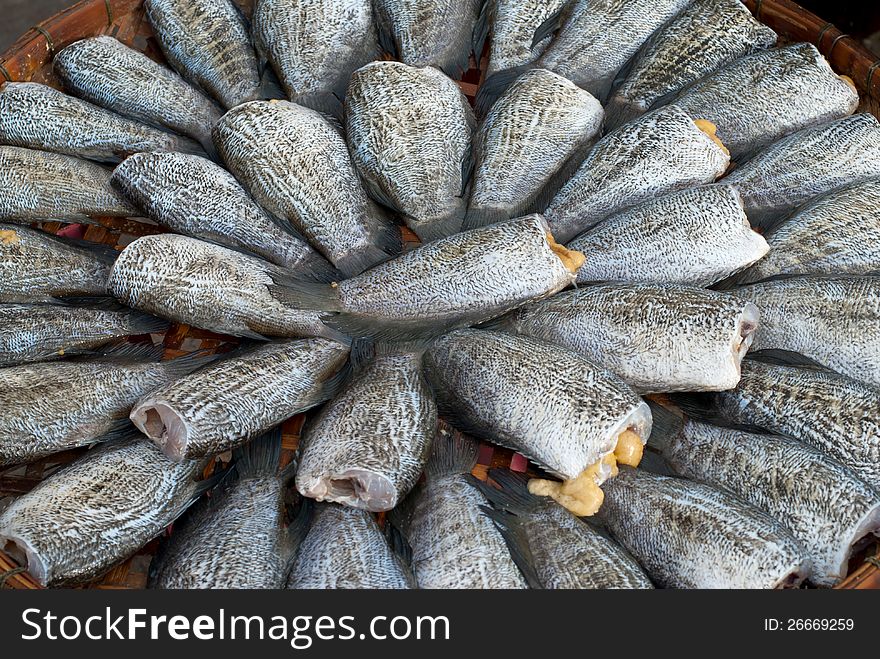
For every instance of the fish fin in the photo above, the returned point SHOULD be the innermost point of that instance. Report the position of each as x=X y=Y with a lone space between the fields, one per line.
x=382 y=331
x=513 y=496
x=250 y=334
x=304 y=295
x=481 y=28
x=495 y=86
x=270 y=85
x=698 y=406
x=100 y=251
x=211 y=482
x=779 y=357
x=386 y=35
x=144 y=323
x=120 y=430
x=96 y=302
x=654 y=462
x=334 y=383
x=620 y=110
x=259 y=458
x=483 y=217
x=554 y=184
x=399 y=544
x=552 y=24
x=380 y=196
x=138 y=352
x=666 y=425
x=363 y=351
x=451 y=452
x=328 y=105
x=437 y=229
x=297 y=530
x=387 y=243
x=517 y=543
x=179 y=366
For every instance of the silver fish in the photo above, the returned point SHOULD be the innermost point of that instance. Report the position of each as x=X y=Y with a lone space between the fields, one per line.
x=235 y=538
x=831 y=412
x=821 y=502
x=202 y=284
x=565 y=413
x=513 y=24
x=409 y=130
x=368 y=446
x=344 y=548
x=40 y=185
x=452 y=282
x=315 y=45
x=240 y=397
x=834 y=320
x=761 y=98
x=429 y=32
x=40 y=117
x=81 y=521
x=208 y=43
x=656 y=337
x=56 y=406
x=690 y=535
x=536 y=133
x=705 y=36
x=597 y=37
x=696 y=237
x=837 y=233
x=455 y=544
x=198 y=198
x=108 y=73
x=661 y=152
x=42 y=332
x=809 y=163
x=296 y=165
x=37 y=266
x=552 y=546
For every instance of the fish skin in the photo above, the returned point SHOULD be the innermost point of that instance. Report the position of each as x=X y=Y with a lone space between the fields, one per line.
x=296 y=165
x=202 y=284
x=695 y=237
x=345 y=549
x=704 y=37
x=660 y=152
x=808 y=163
x=240 y=397
x=690 y=535
x=36 y=116
x=513 y=27
x=208 y=43
x=41 y=185
x=761 y=98
x=198 y=198
x=834 y=320
x=831 y=412
x=81 y=521
x=37 y=266
x=499 y=386
x=536 y=131
x=409 y=132
x=54 y=406
x=235 y=538
x=315 y=45
x=436 y=33
x=837 y=233
x=825 y=506
x=109 y=74
x=598 y=37
x=655 y=337
x=368 y=446
x=42 y=332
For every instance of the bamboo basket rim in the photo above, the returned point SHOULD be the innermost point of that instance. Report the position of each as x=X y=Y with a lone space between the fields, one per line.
x=29 y=55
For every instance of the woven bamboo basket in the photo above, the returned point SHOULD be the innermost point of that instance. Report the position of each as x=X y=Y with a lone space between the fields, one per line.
x=30 y=59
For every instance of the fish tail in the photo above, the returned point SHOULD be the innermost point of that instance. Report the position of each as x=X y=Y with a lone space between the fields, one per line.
x=451 y=453
x=137 y=352
x=517 y=541
x=260 y=457
x=495 y=86
x=666 y=425
x=303 y=295
x=179 y=366
x=142 y=323
x=513 y=495
x=296 y=531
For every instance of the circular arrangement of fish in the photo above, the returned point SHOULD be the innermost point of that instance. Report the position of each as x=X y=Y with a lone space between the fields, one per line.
x=647 y=261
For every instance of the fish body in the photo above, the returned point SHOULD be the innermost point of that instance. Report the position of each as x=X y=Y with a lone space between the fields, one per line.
x=297 y=166
x=198 y=198
x=40 y=185
x=661 y=152
x=761 y=98
x=702 y=38
x=436 y=33
x=108 y=73
x=695 y=237
x=82 y=520
x=368 y=446
x=208 y=43
x=656 y=337
x=513 y=27
x=202 y=284
x=37 y=266
x=535 y=133
x=834 y=320
x=835 y=234
x=690 y=535
x=808 y=163
x=409 y=130
x=235 y=399
x=36 y=116
x=345 y=549
x=42 y=332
